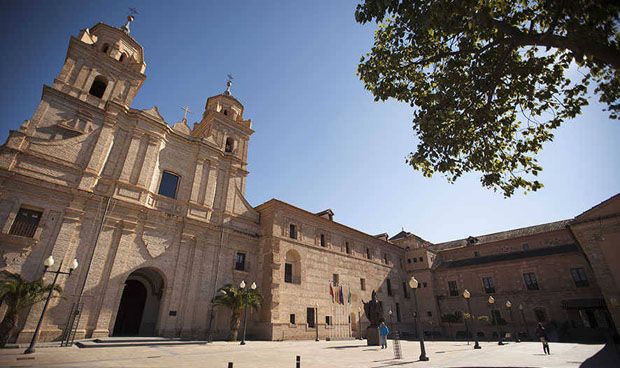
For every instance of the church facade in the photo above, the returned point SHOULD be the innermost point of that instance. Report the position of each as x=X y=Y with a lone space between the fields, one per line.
x=157 y=219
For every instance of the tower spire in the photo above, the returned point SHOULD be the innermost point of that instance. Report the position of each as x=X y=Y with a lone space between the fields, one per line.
x=228 y=84
x=130 y=18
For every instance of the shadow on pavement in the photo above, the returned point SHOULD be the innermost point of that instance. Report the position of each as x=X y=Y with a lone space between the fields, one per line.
x=606 y=357
x=346 y=347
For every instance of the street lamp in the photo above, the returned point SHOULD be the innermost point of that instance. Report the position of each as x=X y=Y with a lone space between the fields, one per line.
x=512 y=321
x=245 y=298
x=316 y=320
x=413 y=284
x=390 y=314
x=527 y=331
x=499 y=334
x=467 y=296
x=49 y=262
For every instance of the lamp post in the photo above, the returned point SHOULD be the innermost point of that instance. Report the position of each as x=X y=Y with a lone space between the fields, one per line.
x=359 y=322
x=316 y=320
x=390 y=314
x=512 y=322
x=499 y=334
x=245 y=297
x=527 y=331
x=467 y=296
x=413 y=283
x=49 y=262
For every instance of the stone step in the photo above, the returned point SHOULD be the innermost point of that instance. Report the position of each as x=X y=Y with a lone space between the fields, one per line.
x=125 y=342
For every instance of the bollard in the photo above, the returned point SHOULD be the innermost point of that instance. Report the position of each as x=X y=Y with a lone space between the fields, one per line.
x=298 y=362
x=230 y=365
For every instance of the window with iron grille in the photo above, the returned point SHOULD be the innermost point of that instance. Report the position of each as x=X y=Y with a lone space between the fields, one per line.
x=323 y=244
x=489 y=288
x=292 y=319
x=288 y=273
x=26 y=223
x=240 y=262
x=328 y=320
x=389 y=287
x=454 y=290
x=347 y=247
x=292 y=231
x=310 y=317
x=363 y=284
x=580 y=277
x=398 y=318
x=405 y=290
x=530 y=281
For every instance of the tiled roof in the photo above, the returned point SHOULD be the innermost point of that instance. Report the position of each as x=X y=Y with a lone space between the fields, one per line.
x=539 y=252
x=503 y=235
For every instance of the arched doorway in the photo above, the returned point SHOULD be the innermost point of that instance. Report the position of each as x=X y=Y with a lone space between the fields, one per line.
x=138 y=310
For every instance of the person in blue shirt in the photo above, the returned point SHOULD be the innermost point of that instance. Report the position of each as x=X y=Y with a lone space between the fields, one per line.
x=383 y=334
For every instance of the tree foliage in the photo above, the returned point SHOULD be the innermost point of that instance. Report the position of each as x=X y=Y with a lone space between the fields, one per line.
x=18 y=294
x=491 y=79
x=237 y=299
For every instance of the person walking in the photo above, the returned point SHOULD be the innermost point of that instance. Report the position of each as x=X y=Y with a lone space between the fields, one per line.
x=541 y=333
x=383 y=334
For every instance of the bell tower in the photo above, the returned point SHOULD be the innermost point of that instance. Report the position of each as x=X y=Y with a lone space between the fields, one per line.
x=222 y=124
x=103 y=64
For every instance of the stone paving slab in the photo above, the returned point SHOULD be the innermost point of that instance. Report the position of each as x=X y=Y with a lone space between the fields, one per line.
x=341 y=354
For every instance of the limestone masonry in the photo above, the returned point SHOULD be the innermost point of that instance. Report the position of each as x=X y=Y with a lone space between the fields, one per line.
x=156 y=216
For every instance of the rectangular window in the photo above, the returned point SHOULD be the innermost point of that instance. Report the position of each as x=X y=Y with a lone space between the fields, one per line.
x=415 y=260
x=454 y=290
x=424 y=284
x=429 y=313
x=363 y=284
x=367 y=253
x=389 y=287
x=476 y=254
x=408 y=260
x=405 y=290
x=398 y=318
x=580 y=277
x=323 y=240
x=310 y=317
x=525 y=246
x=347 y=247
x=530 y=281
x=328 y=320
x=489 y=288
x=421 y=259
x=292 y=319
x=335 y=279
x=240 y=262
x=288 y=273
x=26 y=223
x=168 y=184
x=292 y=231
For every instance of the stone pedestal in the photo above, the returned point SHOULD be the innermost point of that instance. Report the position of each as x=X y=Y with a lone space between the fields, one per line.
x=372 y=336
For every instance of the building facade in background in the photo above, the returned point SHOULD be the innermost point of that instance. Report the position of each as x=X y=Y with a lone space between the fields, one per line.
x=157 y=219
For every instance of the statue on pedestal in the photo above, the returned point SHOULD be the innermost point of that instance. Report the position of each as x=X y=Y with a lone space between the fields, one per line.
x=374 y=313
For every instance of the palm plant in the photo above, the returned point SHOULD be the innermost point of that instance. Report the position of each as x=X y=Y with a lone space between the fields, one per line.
x=237 y=299
x=19 y=294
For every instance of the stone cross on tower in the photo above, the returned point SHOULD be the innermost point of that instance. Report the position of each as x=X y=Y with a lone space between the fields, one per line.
x=186 y=111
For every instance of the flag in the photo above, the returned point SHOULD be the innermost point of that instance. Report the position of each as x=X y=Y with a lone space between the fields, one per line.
x=341 y=296
x=331 y=291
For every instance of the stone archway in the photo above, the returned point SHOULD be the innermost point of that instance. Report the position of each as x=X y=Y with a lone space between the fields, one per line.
x=138 y=310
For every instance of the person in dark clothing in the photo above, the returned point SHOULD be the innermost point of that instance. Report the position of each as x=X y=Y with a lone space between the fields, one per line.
x=541 y=333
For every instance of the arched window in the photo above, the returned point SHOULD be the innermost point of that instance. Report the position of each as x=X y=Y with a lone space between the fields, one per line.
x=105 y=48
x=98 y=87
x=122 y=57
x=292 y=267
x=230 y=145
x=225 y=112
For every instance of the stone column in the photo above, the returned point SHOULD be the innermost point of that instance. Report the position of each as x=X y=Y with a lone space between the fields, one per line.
x=149 y=162
x=99 y=155
x=131 y=158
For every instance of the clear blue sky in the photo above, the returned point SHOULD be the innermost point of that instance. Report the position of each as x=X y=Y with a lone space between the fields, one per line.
x=320 y=142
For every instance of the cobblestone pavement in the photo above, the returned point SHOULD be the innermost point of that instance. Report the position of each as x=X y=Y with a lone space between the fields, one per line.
x=323 y=354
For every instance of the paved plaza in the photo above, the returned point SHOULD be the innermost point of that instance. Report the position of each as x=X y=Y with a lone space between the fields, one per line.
x=323 y=354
